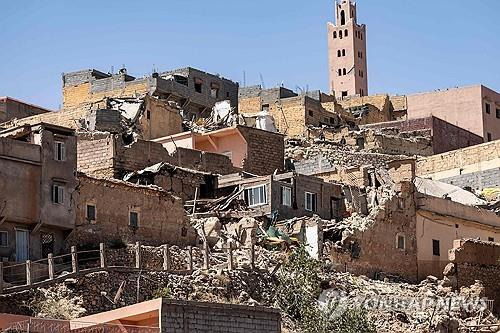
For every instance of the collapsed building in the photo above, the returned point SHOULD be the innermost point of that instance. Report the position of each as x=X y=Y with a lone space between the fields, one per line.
x=402 y=228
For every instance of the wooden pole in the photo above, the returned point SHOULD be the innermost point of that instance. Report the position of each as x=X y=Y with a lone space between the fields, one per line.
x=206 y=258
x=252 y=257
x=102 y=254
x=190 y=258
x=230 y=265
x=74 y=259
x=1 y=277
x=50 y=262
x=138 y=258
x=28 y=273
x=166 y=258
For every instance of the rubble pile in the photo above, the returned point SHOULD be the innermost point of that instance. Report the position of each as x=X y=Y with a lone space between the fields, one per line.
x=337 y=154
x=431 y=306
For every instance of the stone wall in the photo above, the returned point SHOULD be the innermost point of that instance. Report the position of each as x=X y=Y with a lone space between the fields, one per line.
x=477 y=260
x=467 y=165
x=184 y=316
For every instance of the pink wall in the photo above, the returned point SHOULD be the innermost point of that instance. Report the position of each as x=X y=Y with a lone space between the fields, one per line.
x=491 y=122
x=226 y=142
x=463 y=107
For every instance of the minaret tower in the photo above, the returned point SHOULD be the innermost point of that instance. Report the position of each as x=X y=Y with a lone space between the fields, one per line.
x=347 y=52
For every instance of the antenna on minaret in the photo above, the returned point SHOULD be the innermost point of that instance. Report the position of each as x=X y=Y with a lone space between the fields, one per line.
x=262 y=81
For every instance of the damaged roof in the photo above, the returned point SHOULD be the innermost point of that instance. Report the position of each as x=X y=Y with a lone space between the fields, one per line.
x=446 y=191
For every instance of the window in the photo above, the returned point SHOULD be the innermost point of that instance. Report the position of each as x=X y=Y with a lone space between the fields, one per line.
x=340 y=34
x=90 y=213
x=342 y=17
x=214 y=90
x=311 y=114
x=286 y=196
x=346 y=33
x=491 y=239
x=265 y=107
x=343 y=52
x=59 y=151
x=335 y=34
x=227 y=94
x=340 y=72
x=435 y=248
x=498 y=113
x=339 y=54
x=310 y=201
x=344 y=94
x=256 y=196
x=214 y=93
x=4 y=239
x=133 y=219
x=332 y=120
x=488 y=137
x=47 y=242
x=401 y=241
x=57 y=194
x=344 y=71
x=148 y=115
x=198 y=85
x=488 y=108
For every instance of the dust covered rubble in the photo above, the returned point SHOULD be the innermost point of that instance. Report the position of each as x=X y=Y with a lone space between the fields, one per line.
x=431 y=306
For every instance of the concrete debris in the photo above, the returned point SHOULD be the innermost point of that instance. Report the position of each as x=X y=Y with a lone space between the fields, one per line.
x=447 y=191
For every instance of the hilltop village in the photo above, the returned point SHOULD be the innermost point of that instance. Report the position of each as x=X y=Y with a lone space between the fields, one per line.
x=184 y=202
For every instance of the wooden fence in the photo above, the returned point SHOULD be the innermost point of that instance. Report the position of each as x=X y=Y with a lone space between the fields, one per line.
x=52 y=269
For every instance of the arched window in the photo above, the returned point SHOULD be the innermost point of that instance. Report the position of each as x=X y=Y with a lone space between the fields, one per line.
x=338 y=53
x=343 y=52
x=335 y=34
x=346 y=33
x=344 y=71
x=340 y=34
x=342 y=17
x=340 y=72
x=361 y=36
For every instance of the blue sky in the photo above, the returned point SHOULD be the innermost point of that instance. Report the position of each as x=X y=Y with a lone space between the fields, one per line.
x=412 y=45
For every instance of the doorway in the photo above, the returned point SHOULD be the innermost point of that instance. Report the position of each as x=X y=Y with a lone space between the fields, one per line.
x=22 y=245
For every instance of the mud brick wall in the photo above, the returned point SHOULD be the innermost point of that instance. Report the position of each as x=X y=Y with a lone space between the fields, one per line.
x=161 y=215
x=181 y=316
x=478 y=260
x=373 y=252
x=265 y=151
